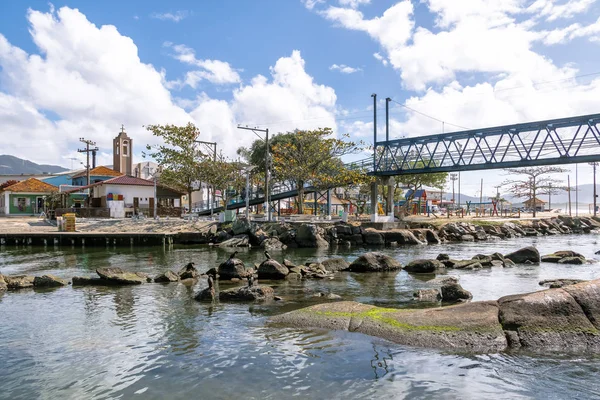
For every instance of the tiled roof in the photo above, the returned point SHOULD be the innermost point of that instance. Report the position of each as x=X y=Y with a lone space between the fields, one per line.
x=99 y=171
x=119 y=180
x=32 y=185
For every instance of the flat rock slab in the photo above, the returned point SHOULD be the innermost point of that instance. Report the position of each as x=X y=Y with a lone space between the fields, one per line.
x=19 y=281
x=118 y=276
x=374 y=262
x=48 y=281
x=472 y=326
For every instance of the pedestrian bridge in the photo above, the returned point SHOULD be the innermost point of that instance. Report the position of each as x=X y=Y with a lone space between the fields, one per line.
x=557 y=141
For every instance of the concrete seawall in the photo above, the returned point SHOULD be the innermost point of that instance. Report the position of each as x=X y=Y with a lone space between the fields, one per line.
x=92 y=239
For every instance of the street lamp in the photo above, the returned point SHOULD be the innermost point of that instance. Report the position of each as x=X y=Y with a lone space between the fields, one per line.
x=267 y=156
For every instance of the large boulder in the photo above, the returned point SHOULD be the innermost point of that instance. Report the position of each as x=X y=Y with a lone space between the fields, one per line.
x=400 y=236
x=166 y=277
x=233 y=268
x=271 y=269
x=374 y=262
x=308 y=235
x=188 y=271
x=471 y=326
x=3 y=285
x=273 y=244
x=241 y=226
x=423 y=266
x=526 y=254
x=553 y=318
x=572 y=260
x=236 y=241
x=373 y=237
x=48 y=281
x=18 y=281
x=116 y=275
x=335 y=264
x=453 y=292
x=245 y=293
x=564 y=257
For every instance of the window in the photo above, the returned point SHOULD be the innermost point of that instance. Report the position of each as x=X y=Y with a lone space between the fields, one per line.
x=125 y=148
x=21 y=203
x=117 y=149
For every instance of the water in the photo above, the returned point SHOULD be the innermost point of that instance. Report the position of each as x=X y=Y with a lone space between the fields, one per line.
x=154 y=341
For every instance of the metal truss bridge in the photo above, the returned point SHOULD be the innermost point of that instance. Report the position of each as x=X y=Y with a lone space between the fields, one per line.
x=557 y=141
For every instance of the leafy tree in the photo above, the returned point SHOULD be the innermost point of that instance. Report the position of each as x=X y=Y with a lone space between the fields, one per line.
x=8 y=183
x=536 y=181
x=312 y=157
x=223 y=175
x=178 y=158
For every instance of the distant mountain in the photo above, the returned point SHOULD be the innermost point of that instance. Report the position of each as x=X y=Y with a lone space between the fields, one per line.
x=11 y=165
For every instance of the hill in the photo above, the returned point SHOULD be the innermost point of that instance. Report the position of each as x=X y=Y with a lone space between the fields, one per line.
x=11 y=165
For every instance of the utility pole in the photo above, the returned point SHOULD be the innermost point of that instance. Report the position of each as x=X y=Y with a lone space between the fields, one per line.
x=87 y=150
x=577 y=192
x=387 y=118
x=213 y=147
x=267 y=158
x=458 y=189
x=594 y=165
x=453 y=178
x=550 y=196
x=569 y=191
x=481 y=197
x=374 y=96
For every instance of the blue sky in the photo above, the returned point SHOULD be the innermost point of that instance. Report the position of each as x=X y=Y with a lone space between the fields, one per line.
x=70 y=69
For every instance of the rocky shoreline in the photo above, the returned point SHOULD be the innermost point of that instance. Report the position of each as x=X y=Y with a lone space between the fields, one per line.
x=281 y=235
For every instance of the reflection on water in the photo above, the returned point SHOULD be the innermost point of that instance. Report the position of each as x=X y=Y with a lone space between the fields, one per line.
x=156 y=341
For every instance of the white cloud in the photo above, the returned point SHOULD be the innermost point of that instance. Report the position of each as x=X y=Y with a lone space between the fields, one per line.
x=310 y=4
x=353 y=3
x=344 y=69
x=553 y=11
x=215 y=71
x=88 y=80
x=573 y=31
x=168 y=16
x=380 y=58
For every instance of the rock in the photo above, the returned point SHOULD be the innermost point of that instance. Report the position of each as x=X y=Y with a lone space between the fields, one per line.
x=206 y=294
x=236 y=241
x=343 y=229
x=423 y=266
x=288 y=263
x=18 y=281
x=558 y=283
x=333 y=296
x=222 y=236
x=400 y=236
x=520 y=256
x=552 y=319
x=245 y=293
x=356 y=239
x=48 y=281
x=335 y=264
x=188 y=272
x=467 y=238
x=452 y=292
x=308 y=235
x=272 y=244
x=572 y=260
x=551 y=258
x=271 y=269
x=472 y=326
x=116 y=275
x=293 y=276
x=460 y=264
x=483 y=259
x=144 y=276
x=166 y=277
x=374 y=262
x=428 y=295
x=3 y=285
x=442 y=280
x=372 y=237
x=233 y=268
x=241 y=226
x=509 y=263
x=587 y=295
x=442 y=257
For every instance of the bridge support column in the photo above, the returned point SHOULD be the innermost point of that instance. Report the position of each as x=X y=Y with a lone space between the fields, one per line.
x=374 y=201
x=389 y=209
x=328 y=202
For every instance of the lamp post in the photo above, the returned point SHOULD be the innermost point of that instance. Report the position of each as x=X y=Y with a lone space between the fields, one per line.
x=453 y=178
x=267 y=157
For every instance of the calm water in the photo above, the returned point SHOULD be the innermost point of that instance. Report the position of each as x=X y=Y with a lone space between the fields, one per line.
x=154 y=341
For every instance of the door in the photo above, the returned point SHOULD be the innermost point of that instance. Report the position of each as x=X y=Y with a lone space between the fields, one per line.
x=136 y=202
x=40 y=205
x=151 y=205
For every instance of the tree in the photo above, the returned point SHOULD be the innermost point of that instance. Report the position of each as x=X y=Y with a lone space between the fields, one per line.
x=223 y=175
x=178 y=158
x=8 y=183
x=535 y=181
x=312 y=158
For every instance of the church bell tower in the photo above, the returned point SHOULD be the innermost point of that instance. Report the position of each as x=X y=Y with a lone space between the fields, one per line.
x=122 y=153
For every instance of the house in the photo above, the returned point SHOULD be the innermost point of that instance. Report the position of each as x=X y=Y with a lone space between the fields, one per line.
x=136 y=194
x=26 y=197
x=97 y=174
x=535 y=202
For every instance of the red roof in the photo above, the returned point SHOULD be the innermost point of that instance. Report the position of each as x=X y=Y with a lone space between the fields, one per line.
x=119 y=180
x=31 y=185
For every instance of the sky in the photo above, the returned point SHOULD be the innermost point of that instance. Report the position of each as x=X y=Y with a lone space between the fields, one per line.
x=74 y=69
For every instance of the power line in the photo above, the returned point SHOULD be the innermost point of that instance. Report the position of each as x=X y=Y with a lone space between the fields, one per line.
x=429 y=116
